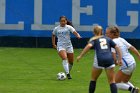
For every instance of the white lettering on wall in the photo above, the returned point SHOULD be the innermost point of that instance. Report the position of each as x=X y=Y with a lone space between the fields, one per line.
x=77 y=10
x=3 y=25
x=112 y=16
x=38 y=18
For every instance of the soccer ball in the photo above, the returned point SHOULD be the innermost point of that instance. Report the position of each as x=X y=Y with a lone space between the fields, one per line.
x=61 y=76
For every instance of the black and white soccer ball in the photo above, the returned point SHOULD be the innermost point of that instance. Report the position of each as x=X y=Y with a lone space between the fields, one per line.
x=61 y=76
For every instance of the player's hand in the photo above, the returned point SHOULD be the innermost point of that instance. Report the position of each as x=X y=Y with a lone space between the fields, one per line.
x=79 y=37
x=119 y=62
x=54 y=46
x=116 y=62
x=78 y=58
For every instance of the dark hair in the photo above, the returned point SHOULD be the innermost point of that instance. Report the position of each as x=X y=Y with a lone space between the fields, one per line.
x=68 y=22
x=114 y=30
x=62 y=17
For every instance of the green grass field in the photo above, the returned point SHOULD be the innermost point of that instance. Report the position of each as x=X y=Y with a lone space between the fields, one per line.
x=33 y=70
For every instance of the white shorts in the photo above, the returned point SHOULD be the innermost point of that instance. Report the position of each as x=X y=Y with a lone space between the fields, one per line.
x=129 y=70
x=68 y=49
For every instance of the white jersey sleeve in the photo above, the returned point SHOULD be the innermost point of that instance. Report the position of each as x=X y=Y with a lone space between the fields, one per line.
x=128 y=45
x=71 y=28
x=54 y=31
x=127 y=58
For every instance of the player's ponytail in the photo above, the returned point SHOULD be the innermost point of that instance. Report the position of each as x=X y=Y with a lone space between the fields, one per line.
x=117 y=31
x=97 y=30
x=69 y=23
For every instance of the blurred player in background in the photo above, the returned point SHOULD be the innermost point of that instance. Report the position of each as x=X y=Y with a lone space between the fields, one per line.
x=125 y=72
x=103 y=58
x=64 y=45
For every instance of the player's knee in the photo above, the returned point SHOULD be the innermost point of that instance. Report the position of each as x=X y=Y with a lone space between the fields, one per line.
x=64 y=58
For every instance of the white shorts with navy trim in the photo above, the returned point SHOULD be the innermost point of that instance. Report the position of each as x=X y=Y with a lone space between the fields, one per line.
x=129 y=70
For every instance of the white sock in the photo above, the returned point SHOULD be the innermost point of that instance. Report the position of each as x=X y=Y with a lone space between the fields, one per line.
x=66 y=66
x=122 y=86
x=130 y=84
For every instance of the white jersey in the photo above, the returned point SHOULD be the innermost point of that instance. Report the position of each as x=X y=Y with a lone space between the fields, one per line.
x=63 y=33
x=127 y=58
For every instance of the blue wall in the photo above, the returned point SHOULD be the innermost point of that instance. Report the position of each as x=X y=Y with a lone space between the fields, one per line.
x=37 y=18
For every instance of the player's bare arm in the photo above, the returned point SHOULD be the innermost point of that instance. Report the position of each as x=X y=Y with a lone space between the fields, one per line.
x=120 y=55
x=135 y=51
x=85 y=50
x=115 y=58
x=53 y=41
x=77 y=34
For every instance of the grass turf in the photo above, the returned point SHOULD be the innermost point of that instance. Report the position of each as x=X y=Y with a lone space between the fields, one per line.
x=33 y=70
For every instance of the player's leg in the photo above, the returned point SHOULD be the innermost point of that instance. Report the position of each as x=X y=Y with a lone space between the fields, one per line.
x=63 y=55
x=122 y=79
x=70 y=63
x=127 y=87
x=70 y=55
x=70 y=60
x=111 y=79
x=124 y=83
x=94 y=76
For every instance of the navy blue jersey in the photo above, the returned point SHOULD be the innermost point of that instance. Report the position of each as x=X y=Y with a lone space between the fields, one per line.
x=102 y=47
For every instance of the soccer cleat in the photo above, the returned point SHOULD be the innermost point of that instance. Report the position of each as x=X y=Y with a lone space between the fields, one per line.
x=135 y=90
x=68 y=76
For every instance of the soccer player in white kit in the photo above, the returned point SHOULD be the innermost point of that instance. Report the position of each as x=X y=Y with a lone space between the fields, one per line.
x=64 y=45
x=125 y=72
